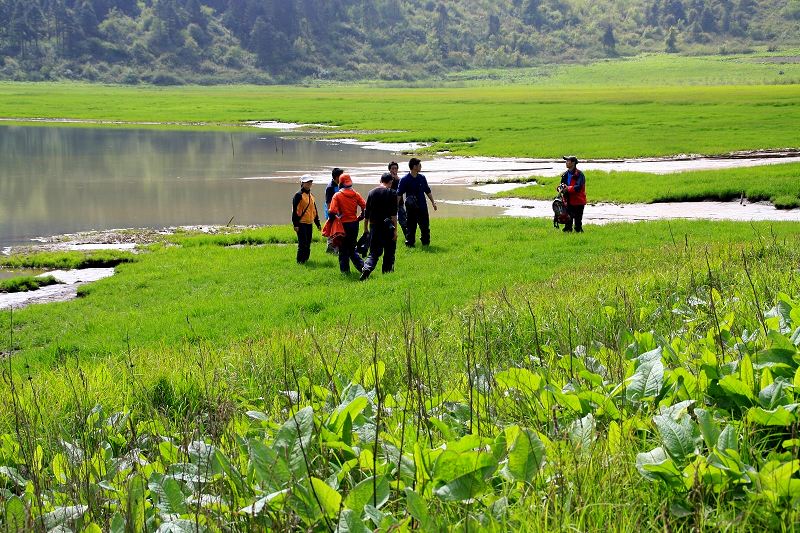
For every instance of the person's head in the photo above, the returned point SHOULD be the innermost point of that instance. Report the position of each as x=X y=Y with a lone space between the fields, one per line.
x=345 y=181
x=414 y=165
x=393 y=168
x=335 y=173
x=571 y=161
x=306 y=182
x=386 y=179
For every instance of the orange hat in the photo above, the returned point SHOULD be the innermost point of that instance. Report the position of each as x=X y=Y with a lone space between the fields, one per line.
x=345 y=180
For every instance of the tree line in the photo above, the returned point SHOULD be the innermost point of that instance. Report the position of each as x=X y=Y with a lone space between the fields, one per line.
x=269 y=41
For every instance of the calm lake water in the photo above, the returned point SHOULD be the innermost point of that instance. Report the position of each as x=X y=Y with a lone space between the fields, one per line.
x=56 y=180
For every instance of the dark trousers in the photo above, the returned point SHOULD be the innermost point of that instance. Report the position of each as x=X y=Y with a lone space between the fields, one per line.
x=576 y=217
x=303 y=242
x=418 y=217
x=381 y=241
x=347 y=250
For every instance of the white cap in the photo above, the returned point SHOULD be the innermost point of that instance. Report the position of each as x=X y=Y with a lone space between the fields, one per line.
x=306 y=179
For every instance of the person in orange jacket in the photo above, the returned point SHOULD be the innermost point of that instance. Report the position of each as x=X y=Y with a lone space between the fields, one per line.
x=304 y=213
x=345 y=205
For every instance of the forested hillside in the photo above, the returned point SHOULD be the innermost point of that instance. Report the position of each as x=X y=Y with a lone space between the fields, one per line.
x=269 y=41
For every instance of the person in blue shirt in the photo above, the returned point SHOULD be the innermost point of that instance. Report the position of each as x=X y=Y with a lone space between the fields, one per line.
x=411 y=191
x=330 y=190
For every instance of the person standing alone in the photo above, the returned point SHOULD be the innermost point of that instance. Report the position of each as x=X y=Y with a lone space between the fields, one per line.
x=381 y=221
x=573 y=183
x=412 y=189
x=304 y=213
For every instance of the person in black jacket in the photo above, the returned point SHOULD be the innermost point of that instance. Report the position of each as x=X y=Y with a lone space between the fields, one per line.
x=381 y=222
x=304 y=213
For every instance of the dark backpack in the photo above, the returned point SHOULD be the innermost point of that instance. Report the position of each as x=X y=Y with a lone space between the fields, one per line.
x=560 y=213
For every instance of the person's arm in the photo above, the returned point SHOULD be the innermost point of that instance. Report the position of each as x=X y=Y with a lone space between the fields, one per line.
x=394 y=223
x=316 y=216
x=295 y=216
x=429 y=194
x=329 y=192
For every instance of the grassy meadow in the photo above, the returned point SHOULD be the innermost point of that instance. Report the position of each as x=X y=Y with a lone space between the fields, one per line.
x=518 y=348
x=778 y=184
x=636 y=377
x=583 y=110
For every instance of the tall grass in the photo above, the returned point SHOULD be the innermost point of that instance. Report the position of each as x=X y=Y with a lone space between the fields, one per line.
x=440 y=385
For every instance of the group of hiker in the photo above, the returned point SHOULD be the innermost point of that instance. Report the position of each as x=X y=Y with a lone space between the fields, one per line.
x=395 y=202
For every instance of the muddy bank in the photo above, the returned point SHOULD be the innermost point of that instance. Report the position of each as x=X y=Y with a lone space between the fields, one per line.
x=604 y=213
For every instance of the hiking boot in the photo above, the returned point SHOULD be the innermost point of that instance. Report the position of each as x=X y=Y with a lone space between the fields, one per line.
x=364 y=274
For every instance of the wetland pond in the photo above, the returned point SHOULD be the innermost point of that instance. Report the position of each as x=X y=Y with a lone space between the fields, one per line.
x=56 y=180
x=62 y=179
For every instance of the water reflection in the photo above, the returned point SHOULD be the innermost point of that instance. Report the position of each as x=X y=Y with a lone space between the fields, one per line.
x=57 y=180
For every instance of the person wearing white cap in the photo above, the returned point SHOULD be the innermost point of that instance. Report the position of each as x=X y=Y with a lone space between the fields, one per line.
x=304 y=213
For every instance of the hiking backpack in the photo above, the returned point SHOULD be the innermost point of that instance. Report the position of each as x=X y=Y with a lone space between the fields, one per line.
x=560 y=213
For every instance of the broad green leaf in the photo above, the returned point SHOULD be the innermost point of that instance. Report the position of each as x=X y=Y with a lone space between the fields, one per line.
x=16 y=517
x=293 y=438
x=774 y=394
x=92 y=528
x=463 y=488
x=728 y=439
x=369 y=491
x=766 y=378
x=709 y=427
x=62 y=515
x=568 y=400
x=417 y=509
x=350 y=410
x=656 y=465
x=275 y=498
x=582 y=433
x=171 y=499
x=61 y=468
x=521 y=379
x=270 y=469
x=350 y=522
x=780 y=416
x=170 y=453
x=525 y=454
x=135 y=502
x=746 y=373
x=366 y=374
x=118 y=524
x=796 y=381
x=646 y=381
x=180 y=525
x=777 y=476
x=605 y=405
x=328 y=498
x=614 y=438
x=13 y=475
x=739 y=392
x=232 y=475
x=678 y=437
x=451 y=465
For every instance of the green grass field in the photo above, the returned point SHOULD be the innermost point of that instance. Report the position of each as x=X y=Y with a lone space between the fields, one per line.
x=593 y=118
x=779 y=184
x=510 y=377
x=187 y=338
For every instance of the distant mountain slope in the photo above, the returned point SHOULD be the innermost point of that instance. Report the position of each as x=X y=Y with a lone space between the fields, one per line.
x=267 y=41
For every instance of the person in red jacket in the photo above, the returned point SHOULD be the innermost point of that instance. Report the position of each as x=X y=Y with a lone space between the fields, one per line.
x=345 y=205
x=573 y=184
